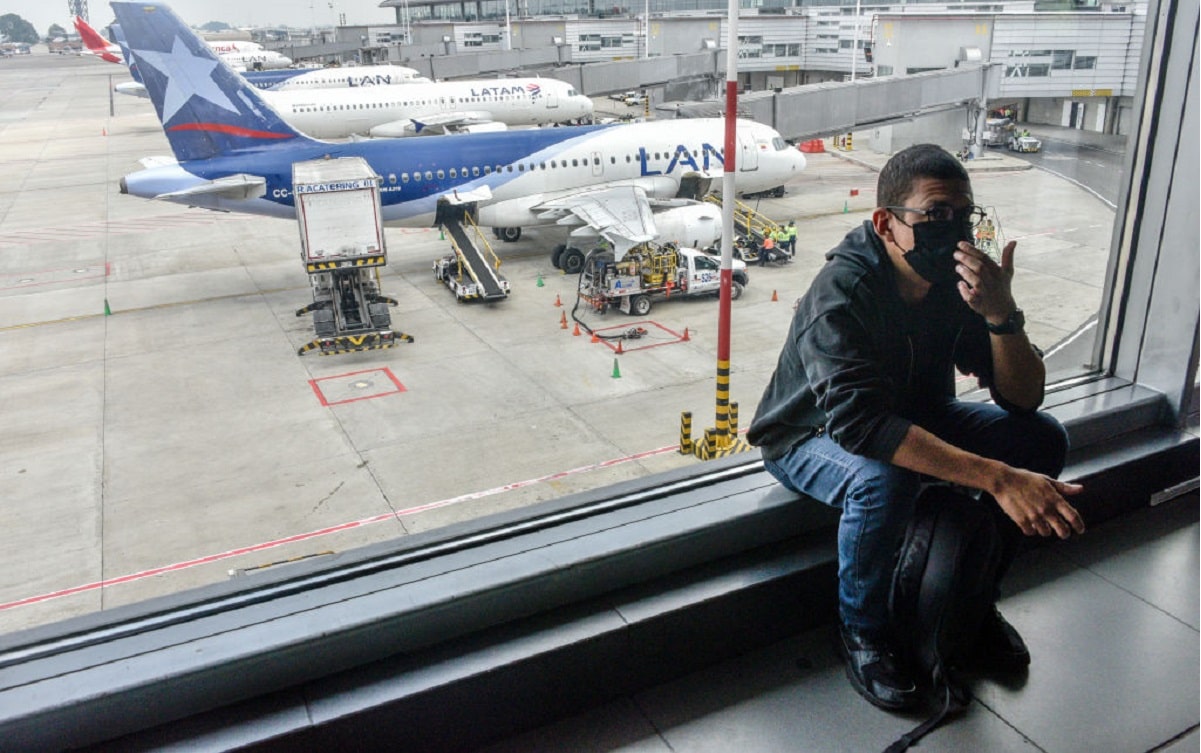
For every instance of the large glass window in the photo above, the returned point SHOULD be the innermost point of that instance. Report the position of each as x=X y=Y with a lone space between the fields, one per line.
x=163 y=433
x=162 y=409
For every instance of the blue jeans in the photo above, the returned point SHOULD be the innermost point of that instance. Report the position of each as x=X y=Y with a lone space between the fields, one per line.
x=877 y=498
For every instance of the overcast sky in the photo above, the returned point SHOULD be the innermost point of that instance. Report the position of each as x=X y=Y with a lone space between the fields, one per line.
x=302 y=13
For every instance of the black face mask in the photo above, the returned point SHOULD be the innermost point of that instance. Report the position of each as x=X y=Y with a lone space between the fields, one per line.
x=934 y=245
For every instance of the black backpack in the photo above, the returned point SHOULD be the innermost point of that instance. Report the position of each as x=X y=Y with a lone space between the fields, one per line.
x=941 y=590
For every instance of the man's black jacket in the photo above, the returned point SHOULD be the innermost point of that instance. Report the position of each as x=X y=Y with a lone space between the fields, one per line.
x=862 y=365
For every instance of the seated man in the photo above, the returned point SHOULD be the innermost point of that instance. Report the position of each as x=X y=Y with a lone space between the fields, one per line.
x=862 y=409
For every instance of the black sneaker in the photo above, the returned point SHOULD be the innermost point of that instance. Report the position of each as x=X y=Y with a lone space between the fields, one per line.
x=876 y=672
x=999 y=647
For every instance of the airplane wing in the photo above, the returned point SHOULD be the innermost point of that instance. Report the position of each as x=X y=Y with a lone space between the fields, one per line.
x=622 y=215
x=443 y=122
x=240 y=186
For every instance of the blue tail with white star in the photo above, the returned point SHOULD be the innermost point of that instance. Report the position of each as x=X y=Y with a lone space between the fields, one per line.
x=207 y=110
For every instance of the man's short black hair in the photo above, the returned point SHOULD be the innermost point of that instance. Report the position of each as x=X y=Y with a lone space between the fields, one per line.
x=905 y=167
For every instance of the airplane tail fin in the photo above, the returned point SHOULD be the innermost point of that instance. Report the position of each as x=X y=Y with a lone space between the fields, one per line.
x=119 y=38
x=96 y=44
x=206 y=109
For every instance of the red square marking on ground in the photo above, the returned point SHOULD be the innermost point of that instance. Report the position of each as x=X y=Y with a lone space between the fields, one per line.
x=355 y=386
x=656 y=335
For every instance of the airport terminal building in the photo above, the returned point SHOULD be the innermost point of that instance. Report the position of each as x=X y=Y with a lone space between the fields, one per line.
x=1065 y=64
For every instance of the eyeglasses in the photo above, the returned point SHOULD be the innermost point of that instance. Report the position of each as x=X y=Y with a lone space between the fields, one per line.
x=971 y=216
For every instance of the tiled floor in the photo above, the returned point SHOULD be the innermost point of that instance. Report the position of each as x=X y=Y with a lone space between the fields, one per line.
x=1111 y=619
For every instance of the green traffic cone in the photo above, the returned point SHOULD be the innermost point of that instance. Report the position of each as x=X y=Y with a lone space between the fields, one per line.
x=845 y=208
x=616 y=370
x=107 y=311
x=441 y=233
x=540 y=282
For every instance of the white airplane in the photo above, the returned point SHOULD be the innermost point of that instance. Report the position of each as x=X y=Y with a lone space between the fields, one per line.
x=239 y=55
x=255 y=60
x=446 y=106
x=291 y=79
x=349 y=77
x=226 y=46
x=629 y=183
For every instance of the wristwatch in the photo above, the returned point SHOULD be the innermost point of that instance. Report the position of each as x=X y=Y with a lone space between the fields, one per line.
x=1014 y=323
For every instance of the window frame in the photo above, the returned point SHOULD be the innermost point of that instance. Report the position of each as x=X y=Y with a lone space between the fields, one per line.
x=89 y=678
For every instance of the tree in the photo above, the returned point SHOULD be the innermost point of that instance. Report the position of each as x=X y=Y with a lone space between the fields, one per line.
x=215 y=26
x=55 y=31
x=16 y=29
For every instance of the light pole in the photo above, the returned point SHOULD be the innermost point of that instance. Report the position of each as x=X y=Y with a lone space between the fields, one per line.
x=855 y=43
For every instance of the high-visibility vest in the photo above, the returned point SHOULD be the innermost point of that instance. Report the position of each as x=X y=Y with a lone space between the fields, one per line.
x=790 y=232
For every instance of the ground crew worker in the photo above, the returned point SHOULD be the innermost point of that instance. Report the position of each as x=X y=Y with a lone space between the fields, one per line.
x=790 y=238
x=766 y=251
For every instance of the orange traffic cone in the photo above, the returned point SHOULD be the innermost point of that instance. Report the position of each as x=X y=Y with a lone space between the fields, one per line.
x=575 y=332
x=685 y=338
x=774 y=297
x=563 y=320
x=595 y=338
x=619 y=350
x=557 y=301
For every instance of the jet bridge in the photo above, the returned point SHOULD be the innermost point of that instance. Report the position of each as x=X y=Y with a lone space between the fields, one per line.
x=472 y=270
x=815 y=110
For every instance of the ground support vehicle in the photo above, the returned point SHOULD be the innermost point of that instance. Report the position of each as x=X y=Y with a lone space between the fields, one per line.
x=649 y=271
x=996 y=132
x=750 y=224
x=342 y=246
x=472 y=269
x=1027 y=144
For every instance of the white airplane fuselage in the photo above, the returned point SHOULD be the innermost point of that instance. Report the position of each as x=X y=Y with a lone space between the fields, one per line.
x=256 y=60
x=392 y=111
x=511 y=172
x=356 y=77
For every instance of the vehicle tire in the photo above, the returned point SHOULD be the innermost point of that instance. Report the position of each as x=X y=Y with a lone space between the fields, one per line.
x=735 y=290
x=640 y=305
x=510 y=234
x=571 y=261
x=556 y=255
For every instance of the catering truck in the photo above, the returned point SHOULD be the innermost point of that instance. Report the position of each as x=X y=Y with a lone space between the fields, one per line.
x=342 y=247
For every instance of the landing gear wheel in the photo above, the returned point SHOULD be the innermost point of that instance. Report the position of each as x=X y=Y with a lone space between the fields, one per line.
x=510 y=234
x=556 y=255
x=571 y=261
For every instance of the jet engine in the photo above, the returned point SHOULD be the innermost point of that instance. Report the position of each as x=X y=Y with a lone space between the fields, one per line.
x=696 y=225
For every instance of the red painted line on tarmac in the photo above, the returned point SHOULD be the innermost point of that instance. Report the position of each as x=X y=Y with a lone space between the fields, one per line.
x=211 y=558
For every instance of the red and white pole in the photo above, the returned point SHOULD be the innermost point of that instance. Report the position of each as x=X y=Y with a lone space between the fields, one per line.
x=729 y=161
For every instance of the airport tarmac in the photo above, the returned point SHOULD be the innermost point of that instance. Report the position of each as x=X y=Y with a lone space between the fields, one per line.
x=161 y=431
